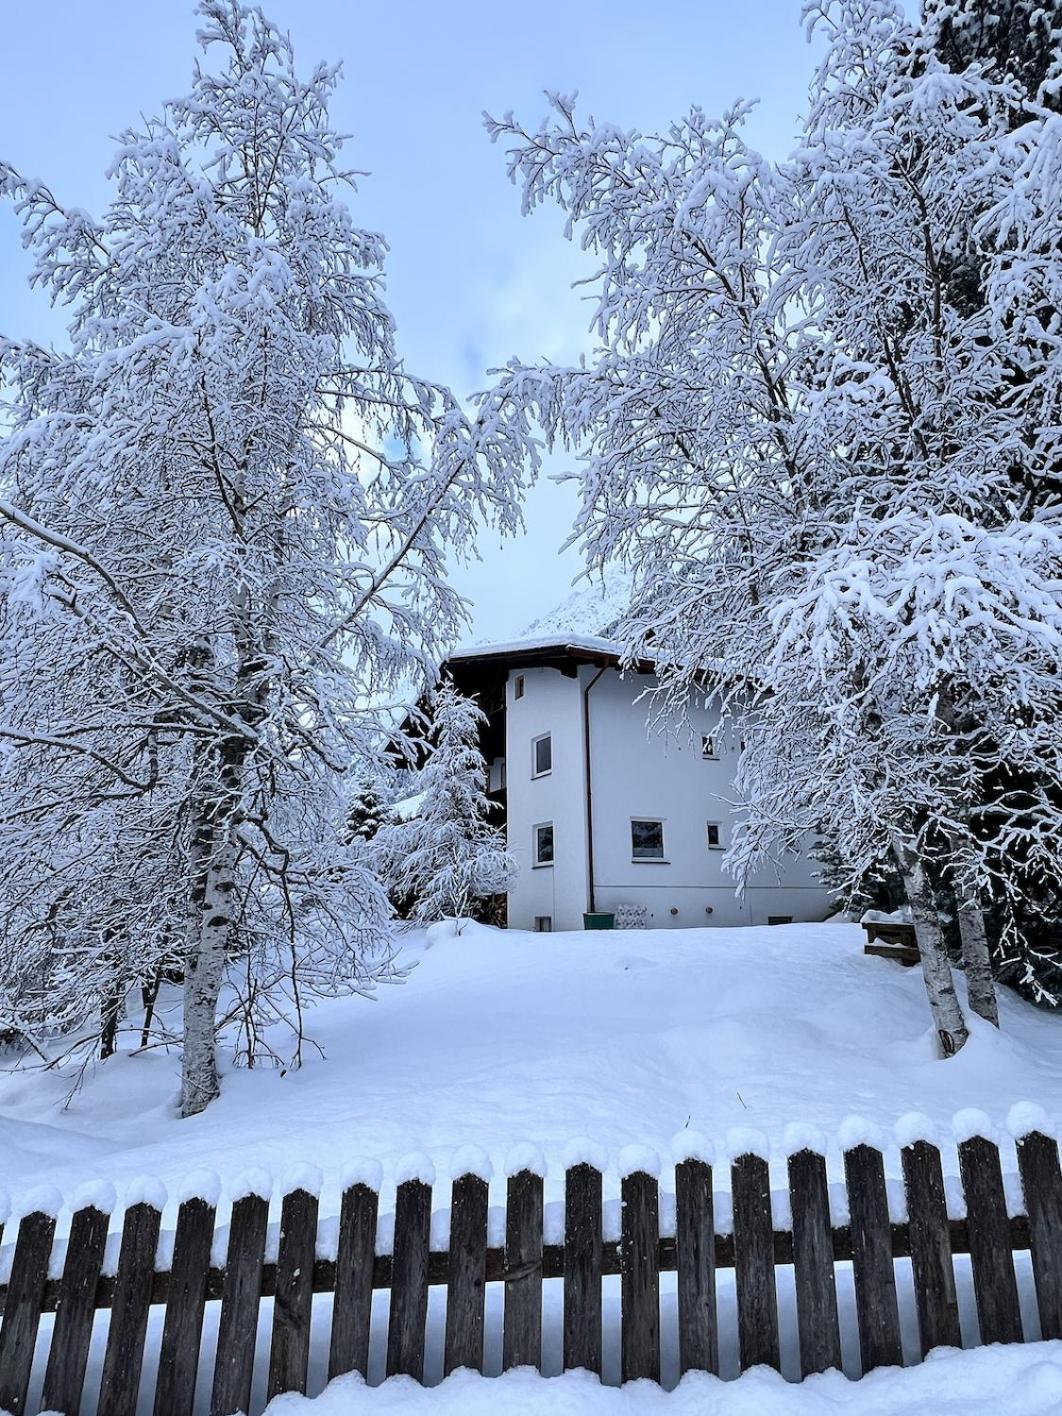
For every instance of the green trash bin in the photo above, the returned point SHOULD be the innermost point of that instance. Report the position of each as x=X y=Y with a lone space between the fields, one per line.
x=599 y=919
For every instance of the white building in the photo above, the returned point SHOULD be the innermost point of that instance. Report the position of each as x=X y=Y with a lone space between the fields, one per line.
x=603 y=811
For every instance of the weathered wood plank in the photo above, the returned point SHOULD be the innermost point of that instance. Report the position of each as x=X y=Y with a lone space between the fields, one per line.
x=289 y=1349
x=991 y=1262
x=409 y=1280
x=355 y=1259
x=816 y=1289
x=877 y=1313
x=640 y=1278
x=522 y=1322
x=242 y=1288
x=64 y=1376
x=930 y=1241
x=1041 y=1184
x=582 y=1267
x=124 y=1354
x=695 y=1244
x=466 y=1283
x=182 y=1330
x=22 y=1308
x=754 y=1262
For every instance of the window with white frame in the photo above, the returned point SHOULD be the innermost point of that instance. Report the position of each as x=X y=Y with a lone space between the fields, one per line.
x=708 y=750
x=714 y=834
x=542 y=755
x=647 y=838
x=542 y=840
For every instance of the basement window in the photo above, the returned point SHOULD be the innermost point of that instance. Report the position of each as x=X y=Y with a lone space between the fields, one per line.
x=779 y=919
x=543 y=924
x=714 y=835
x=543 y=844
x=542 y=755
x=647 y=839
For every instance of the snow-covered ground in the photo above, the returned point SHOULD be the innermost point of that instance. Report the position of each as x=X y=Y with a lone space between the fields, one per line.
x=501 y=1037
x=1020 y=1381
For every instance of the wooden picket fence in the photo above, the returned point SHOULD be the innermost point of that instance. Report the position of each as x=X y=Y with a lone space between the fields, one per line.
x=754 y=1249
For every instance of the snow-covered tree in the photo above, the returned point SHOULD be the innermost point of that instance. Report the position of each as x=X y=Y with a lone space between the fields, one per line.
x=225 y=515
x=790 y=434
x=449 y=855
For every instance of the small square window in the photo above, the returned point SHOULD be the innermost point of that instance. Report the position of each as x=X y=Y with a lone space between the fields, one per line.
x=543 y=844
x=542 y=755
x=518 y=686
x=543 y=924
x=647 y=840
x=714 y=833
x=708 y=746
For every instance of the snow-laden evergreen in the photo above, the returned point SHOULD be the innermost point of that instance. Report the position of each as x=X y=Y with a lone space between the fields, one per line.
x=225 y=514
x=449 y=854
x=792 y=434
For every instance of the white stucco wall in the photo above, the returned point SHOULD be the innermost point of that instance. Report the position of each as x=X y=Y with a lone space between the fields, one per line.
x=635 y=773
x=552 y=703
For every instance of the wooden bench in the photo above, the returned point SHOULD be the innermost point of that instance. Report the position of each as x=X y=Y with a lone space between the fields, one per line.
x=892 y=939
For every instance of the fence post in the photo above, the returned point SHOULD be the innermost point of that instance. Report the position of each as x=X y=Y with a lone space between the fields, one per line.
x=582 y=1267
x=64 y=1377
x=757 y=1301
x=467 y=1273
x=877 y=1312
x=22 y=1307
x=289 y=1349
x=124 y=1355
x=930 y=1240
x=240 y=1298
x=409 y=1271
x=1042 y=1186
x=816 y=1288
x=640 y=1266
x=695 y=1259
x=348 y=1349
x=522 y=1322
x=988 y=1225
x=185 y=1302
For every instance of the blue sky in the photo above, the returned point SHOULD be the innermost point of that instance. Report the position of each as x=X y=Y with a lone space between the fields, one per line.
x=470 y=281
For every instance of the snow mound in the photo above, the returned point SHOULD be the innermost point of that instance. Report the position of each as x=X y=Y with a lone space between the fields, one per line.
x=525 y=1155
x=692 y=1145
x=40 y=1199
x=581 y=1150
x=970 y=1123
x=745 y=1140
x=799 y=1136
x=1024 y=1117
x=915 y=1126
x=145 y=1190
x=94 y=1194
x=361 y=1171
x=253 y=1181
x=303 y=1177
x=638 y=1160
x=471 y=1160
x=858 y=1131
x=415 y=1165
x=202 y=1185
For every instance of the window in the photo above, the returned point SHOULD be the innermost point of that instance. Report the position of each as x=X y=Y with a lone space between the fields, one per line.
x=647 y=840
x=779 y=919
x=518 y=686
x=708 y=746
x=541 y=755
x=543 y=924
x=714 y=834
x=543 y=843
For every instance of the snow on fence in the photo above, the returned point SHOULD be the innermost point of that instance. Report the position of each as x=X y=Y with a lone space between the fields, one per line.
x=247 y=1274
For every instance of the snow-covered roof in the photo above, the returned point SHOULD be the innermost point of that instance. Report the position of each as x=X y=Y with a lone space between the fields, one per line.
x=586 y=622
x=588 y=643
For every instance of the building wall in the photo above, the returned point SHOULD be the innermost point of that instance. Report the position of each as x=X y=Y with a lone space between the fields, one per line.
x=635 y=772
x=551 y=703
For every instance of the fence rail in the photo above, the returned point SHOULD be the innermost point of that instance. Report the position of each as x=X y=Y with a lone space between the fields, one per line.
x=812 y=1246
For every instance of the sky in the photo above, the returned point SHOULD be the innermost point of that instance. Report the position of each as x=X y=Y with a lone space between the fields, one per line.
x=470 y=281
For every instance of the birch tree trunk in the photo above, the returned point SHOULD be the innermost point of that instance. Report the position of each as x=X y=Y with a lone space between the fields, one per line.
x=202 y=981
x=944 y=1003
x=976 y=954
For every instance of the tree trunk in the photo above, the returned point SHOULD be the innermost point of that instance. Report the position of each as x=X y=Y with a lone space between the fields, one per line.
x=944 y=1003
x=110 y=1013
x=149 y=993
x=213 y=868
x=976 y=954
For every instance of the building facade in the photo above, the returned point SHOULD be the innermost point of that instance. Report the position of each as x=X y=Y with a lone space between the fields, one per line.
x=603 y=810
